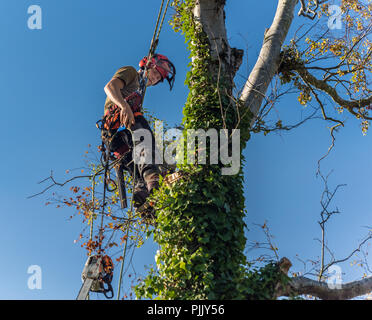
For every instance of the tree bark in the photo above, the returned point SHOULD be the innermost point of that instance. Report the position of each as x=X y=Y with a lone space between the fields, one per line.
x=210 y=15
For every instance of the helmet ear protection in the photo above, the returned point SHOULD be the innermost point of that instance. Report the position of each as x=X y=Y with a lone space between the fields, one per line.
x=163 y=65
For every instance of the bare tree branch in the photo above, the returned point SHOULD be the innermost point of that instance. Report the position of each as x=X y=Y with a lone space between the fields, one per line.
x=55 y=183
x=325 y=87
x=302 y=285
x=305 y=286
x=307 y=11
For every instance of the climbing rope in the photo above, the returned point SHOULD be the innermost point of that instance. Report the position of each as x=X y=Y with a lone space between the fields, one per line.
x=152 y=44
x=91 y=218
x=155 y=38
x=126 y=238
x=107 y=161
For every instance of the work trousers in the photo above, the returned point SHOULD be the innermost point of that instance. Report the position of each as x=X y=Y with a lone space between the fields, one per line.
x=147 y=173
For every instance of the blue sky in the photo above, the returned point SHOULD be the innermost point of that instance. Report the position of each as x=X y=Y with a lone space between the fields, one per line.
x=52 y=94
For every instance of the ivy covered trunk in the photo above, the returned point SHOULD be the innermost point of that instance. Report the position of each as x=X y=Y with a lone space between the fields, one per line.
x=200 y=218
x=200 y=224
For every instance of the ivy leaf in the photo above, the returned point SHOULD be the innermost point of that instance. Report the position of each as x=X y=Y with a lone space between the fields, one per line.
x=183 y=265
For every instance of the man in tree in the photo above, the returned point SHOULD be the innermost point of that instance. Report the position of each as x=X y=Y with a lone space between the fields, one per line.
x=123 y=108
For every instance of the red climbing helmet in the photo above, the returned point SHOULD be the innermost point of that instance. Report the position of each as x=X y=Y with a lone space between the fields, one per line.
x=163 y=65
